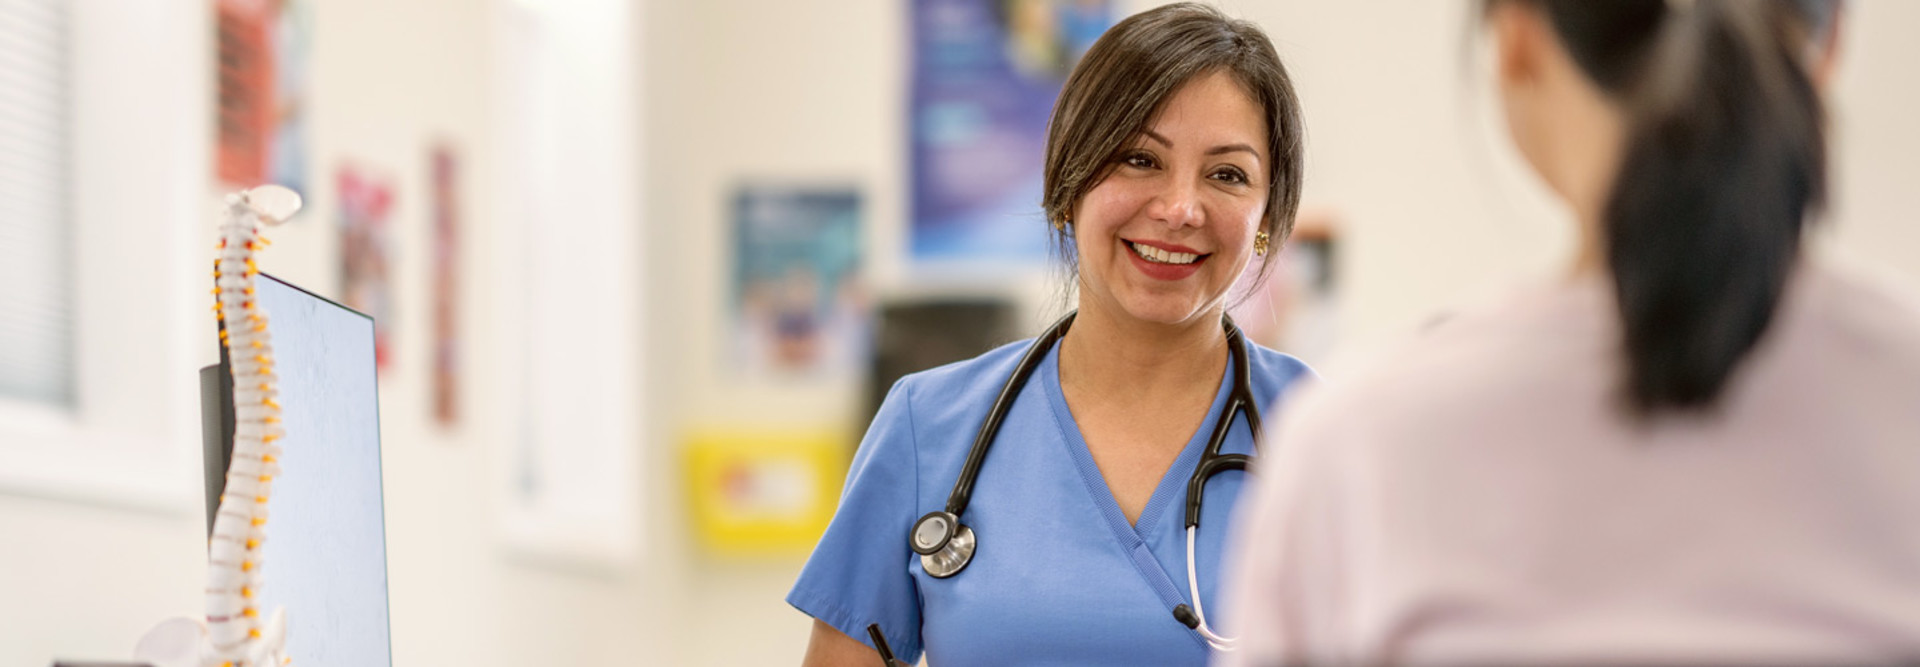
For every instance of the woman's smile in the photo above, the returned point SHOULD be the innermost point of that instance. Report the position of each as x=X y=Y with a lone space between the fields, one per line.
x=1165 y=261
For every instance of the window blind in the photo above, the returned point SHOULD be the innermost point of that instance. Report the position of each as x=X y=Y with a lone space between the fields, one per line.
x=36 y=240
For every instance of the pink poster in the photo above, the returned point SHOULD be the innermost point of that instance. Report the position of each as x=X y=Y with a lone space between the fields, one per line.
x=366 y=254
x=445 y=283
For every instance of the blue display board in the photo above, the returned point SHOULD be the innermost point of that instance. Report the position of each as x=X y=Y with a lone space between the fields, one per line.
x=985 y=77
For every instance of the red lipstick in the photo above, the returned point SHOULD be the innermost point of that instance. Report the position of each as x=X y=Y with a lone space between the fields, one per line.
x=1159 y=271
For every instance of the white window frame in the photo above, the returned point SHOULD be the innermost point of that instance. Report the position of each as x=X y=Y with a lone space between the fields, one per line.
x=140 y=183
x=575 y=405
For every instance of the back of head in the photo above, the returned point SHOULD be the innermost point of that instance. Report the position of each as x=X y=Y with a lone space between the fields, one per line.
x=1724 y=162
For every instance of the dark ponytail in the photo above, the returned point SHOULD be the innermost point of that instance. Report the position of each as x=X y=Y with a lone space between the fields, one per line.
x=1725 y=160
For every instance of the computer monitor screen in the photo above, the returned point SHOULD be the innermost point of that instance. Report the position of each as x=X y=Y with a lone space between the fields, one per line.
x=325 y=552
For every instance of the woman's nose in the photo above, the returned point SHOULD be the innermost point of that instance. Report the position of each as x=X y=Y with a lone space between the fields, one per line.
x=1177 y=203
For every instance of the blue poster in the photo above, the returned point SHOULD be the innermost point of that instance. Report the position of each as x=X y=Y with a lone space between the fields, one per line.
x=985 y=76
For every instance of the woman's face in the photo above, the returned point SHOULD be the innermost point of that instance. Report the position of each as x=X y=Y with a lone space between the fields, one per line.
x=1165 y=235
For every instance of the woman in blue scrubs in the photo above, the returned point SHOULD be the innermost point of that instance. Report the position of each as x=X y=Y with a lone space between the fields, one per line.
x=1173 y=161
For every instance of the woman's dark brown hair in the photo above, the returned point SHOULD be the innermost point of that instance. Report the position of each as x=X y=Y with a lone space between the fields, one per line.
x=1725 y=161
x=1124 y=78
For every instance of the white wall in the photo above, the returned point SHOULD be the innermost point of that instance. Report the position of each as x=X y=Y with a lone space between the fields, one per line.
x=745 y=90
x=810 y=90
x=390 y=79
x=1877 y=98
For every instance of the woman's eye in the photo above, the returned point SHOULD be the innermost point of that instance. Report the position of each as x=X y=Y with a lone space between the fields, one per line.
x=1233 y=176
x=1138 y=161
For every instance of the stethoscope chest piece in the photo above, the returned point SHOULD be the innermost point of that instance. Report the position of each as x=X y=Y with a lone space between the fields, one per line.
x=944 y=544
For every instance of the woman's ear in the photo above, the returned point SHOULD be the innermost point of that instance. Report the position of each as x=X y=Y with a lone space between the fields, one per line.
x=1518 y=34
x=1826 y=53
x=1540 y=89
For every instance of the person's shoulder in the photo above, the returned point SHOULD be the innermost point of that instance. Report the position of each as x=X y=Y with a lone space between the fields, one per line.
x=938 y=396
x=1275 y=372
x=1515 y=346
x=969 y=374
x=1276 y=363
x=1858 y=320
x=924 y=410
x=1869 y=299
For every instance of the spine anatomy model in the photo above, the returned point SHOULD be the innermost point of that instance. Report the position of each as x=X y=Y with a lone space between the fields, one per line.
x=237 y=634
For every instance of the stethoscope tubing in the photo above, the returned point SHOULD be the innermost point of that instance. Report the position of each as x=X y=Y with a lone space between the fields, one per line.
x=977 y=456
x=1240 y=398
x=949 y=546
x=1217 y=641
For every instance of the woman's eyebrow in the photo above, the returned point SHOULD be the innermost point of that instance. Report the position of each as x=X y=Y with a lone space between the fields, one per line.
x=1216 y=150
x=1234 y=148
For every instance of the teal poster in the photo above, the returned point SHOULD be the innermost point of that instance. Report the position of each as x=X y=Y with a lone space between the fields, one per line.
x=800 y=300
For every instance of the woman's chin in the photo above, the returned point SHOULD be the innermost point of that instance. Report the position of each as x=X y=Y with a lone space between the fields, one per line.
x=1165 y=311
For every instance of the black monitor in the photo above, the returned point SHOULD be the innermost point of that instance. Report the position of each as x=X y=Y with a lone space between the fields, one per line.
x=326 y=548
x=918 y=334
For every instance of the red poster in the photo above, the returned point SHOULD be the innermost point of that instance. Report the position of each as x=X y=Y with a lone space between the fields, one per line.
x=260 y=74
x=244 y=75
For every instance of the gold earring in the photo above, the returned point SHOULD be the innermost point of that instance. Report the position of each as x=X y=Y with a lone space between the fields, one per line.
x=1260 y=244
x=1060 y=223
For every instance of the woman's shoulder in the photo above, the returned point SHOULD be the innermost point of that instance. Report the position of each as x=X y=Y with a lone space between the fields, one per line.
x=1866 y=301
x=967 y=374
x=1850 y=327
x=1517 y=345
x=954 y=391
x=1275 y=372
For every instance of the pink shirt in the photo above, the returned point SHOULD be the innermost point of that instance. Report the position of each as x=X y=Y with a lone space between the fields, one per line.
x=1477 y=497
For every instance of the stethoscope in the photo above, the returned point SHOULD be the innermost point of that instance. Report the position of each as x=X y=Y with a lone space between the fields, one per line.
x=946 y=546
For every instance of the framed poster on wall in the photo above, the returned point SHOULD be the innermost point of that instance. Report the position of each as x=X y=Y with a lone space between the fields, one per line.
x=984 y=79
x=800 y=304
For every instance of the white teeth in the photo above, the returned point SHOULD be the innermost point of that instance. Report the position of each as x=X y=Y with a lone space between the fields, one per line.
x=1159 y=256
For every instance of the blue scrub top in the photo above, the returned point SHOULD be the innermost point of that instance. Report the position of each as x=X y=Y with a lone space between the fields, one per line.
x=1059 y=576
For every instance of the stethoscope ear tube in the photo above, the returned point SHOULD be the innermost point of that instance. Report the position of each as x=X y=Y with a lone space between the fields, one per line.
x=1197 y=485
x=1196 y=617
x=1240 y=399
x=1213 y=462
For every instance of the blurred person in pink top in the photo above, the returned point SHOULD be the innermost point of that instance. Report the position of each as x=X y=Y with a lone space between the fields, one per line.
x=1701 y=445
